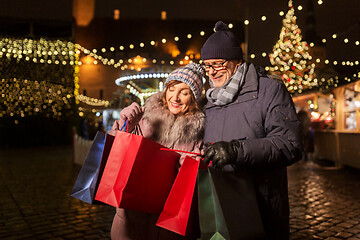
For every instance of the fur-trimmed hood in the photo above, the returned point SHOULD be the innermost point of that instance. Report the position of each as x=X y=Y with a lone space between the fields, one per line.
x=169 y=130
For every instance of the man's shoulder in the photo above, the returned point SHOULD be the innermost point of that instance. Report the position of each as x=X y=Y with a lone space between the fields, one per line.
x=263 y=75
x=275 y=79
x=272 y=86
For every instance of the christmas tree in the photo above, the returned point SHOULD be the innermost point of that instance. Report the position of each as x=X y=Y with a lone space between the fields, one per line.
x=290 y=58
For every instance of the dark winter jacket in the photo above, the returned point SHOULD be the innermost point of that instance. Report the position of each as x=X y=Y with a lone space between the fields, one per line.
x=263 y=119
x=184 y=132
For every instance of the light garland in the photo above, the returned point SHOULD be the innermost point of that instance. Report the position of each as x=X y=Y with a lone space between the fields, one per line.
x=76 y=76
x=136 y=90
x=291 y=58
x=66 y=54
x=38 y=77
x=124 y=63
x=141 y=95
x=141 y=76
x=23 y=98
x=30 y=51
x=93 y=101
x=38 y=51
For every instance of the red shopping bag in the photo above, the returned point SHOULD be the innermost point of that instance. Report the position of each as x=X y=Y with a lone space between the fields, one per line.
x=138 y=175
x=176 y=212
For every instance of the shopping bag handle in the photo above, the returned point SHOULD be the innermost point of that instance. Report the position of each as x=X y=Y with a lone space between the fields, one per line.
x=176 y=150
x=138 y=131
x=124 y=126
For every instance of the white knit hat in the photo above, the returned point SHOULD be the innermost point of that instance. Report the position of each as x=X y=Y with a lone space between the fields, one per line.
x=192 y=74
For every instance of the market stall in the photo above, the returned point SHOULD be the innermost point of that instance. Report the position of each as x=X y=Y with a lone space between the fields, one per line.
x=335 y=123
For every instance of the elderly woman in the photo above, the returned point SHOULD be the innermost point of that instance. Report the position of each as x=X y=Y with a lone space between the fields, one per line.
x=172 y=118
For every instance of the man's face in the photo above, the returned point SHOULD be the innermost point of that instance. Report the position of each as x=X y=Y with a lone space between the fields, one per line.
x=220 y=70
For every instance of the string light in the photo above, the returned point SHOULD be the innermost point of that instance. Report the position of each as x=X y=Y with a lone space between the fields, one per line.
x=38 y=77
x=66 y=57
x=93 y=101
x=161 y=75
x=23 y=97
x=116 y=64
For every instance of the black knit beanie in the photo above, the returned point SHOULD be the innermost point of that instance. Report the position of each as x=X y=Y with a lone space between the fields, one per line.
x=222 y=44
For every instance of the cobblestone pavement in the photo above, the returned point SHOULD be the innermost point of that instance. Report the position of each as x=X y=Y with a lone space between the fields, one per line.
x=35 y=204
x=324 y=202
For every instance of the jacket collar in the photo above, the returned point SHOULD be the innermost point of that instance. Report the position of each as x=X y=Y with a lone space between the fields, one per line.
x=251 y=84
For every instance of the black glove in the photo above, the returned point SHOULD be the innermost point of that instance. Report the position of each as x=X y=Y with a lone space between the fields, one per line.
x=221 y=153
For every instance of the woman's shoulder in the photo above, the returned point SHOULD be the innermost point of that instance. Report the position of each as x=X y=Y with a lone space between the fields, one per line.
x=154 y=100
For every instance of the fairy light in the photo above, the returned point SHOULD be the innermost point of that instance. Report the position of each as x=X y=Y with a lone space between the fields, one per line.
x=93 y=101
x=41 y=77
x=158 y=75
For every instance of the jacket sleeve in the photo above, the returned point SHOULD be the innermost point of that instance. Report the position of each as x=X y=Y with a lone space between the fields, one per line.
x=281 y=145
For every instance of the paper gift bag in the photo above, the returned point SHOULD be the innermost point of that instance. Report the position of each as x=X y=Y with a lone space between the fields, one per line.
x=175 y=215
x=138 y=174
x=227 y=206
x=90 y=173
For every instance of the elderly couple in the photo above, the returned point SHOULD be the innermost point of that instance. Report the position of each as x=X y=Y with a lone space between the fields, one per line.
x=249 y=118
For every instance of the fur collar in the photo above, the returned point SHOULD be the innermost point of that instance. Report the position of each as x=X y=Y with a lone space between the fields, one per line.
x=169 y=130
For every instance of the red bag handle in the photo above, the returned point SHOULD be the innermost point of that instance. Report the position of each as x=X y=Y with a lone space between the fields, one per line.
x=175 y=150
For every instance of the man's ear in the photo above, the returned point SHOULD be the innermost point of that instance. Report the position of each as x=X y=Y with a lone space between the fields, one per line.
x=239 y=63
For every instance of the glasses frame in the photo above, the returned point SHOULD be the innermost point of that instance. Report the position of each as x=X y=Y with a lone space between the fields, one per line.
x=215 y=67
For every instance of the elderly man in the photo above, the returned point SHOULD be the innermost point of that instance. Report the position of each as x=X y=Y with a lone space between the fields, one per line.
x=251 y=125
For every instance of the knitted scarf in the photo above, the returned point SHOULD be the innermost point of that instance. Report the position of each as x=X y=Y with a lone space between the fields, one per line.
x=223 y=95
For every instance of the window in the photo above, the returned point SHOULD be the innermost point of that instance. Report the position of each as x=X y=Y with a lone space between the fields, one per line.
x=116 y=14
x=163 y=15
x=352 y=107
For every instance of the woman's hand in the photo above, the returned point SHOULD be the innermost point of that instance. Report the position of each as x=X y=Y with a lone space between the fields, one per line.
x=133 y=113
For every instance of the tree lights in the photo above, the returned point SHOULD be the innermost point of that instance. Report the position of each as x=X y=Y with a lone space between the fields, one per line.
x=290 y=58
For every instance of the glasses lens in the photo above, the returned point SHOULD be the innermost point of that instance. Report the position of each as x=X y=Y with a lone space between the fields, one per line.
x=216 y=66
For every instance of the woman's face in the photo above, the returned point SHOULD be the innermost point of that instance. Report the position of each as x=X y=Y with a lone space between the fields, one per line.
x=178 y=98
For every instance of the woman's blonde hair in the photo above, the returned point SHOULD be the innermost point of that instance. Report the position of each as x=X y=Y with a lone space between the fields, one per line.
x=193 y=107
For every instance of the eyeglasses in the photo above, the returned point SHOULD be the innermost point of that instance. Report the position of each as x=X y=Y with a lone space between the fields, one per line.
x=216 y=66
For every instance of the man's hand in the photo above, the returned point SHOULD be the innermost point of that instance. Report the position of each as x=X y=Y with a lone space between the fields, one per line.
x=221 y=153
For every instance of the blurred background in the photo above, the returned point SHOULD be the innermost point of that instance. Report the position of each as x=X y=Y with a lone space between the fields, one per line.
x=68 y=67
